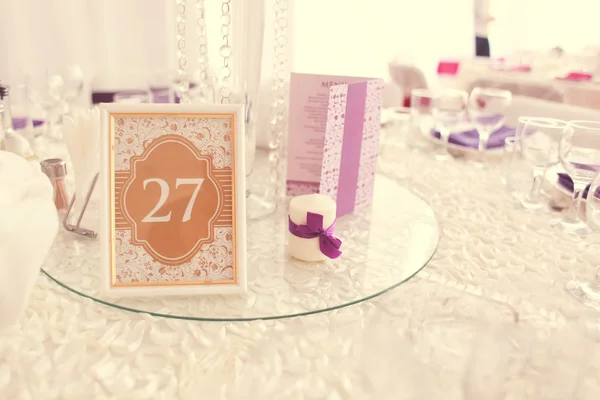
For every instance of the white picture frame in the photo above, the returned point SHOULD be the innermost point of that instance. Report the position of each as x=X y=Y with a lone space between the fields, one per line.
x=156 y=255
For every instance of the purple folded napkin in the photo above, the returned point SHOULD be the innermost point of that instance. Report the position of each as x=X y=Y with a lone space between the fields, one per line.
x=21 y=123
x=470 y=138
x=566 y=182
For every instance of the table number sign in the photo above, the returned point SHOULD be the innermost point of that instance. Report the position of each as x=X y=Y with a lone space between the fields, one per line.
x=172 y=183
x=334 y=138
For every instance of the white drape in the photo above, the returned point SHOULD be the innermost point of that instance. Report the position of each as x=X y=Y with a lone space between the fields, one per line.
x=359 y=37
x=540 y=25
x=112 y=38
x=117 y=38
x=120 y=43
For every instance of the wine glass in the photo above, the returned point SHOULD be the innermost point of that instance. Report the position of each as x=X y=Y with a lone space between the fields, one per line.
x=487 y=108
x=448 y=110
x=429 y=339
x=162 y=86
x=515 y=170
x=420 y=116
x=588 y=292
x=45 y=90
x=73 y=85
x=539 y=138
x=579 y=154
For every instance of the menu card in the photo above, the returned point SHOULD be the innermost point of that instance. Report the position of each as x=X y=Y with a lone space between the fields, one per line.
x=334 y=137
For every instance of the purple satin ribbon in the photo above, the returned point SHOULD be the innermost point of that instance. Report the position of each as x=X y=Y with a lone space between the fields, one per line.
x=329 y=244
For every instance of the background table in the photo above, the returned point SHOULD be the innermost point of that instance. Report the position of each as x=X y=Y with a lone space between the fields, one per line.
x=67 y=347
x=538 y=82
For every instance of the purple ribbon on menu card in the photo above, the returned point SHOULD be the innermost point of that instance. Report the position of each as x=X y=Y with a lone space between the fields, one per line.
x=352 y=144
x=334 y=138
x=329 y=244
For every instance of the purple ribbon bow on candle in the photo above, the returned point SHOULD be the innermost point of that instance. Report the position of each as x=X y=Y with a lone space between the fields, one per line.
x=329 y=244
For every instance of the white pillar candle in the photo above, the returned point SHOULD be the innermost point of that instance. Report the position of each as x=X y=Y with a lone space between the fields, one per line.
x=310 y=249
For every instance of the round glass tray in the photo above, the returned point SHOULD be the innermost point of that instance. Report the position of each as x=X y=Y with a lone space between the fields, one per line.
x=384 y=245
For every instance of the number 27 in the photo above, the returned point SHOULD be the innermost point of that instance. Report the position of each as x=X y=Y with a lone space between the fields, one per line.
x=164 y=195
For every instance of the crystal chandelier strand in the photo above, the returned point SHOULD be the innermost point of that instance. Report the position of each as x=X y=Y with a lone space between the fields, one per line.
x=202 y=60
x=225 y=52
x=183 y=82
x=278 y=105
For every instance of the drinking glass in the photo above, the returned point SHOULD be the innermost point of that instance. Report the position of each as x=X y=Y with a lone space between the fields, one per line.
x=162 y=86
x=509 y=153
x=132 y=97
x=539 y=138
x=420 y=117
x=56 y=91
x=397 y=132
x=73 y=85
x=240 y=83
x=585 y=291
x=516 y=170
x=579 y=154
x=45 y=91
x=428 y=340
x=487 y=109
x=448 y=109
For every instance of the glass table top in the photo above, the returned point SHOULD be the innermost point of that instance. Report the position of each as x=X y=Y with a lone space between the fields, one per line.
x=384 y=245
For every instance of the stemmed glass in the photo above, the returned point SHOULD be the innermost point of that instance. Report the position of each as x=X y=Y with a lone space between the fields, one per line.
x=56 y=91
x=45 y=91
x=449 y=109
x=579 y=154
x=73 y=85
x=420 y=116
x=487 y=108
x=585 y=291
x=539 y=138
x=162 y=86
x=242 y=80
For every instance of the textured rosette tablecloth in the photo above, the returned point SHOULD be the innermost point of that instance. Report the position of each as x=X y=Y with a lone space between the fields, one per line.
x=69 y=347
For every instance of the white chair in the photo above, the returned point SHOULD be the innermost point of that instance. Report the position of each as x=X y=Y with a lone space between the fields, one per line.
x=406 y=77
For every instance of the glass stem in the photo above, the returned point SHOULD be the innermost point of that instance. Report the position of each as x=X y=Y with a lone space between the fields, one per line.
x=445 y=134
x=536 y=185
x=572 y=214
x=481 y=145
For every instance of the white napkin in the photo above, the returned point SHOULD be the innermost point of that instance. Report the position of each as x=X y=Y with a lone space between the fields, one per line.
x=15 y=143
x=28 y=225
x=81 y=132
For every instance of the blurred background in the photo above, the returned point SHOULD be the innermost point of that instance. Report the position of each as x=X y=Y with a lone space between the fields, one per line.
x=109 y=38
x=131 y=44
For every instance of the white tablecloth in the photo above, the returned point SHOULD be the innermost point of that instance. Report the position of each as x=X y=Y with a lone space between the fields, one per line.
x=68 y=347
